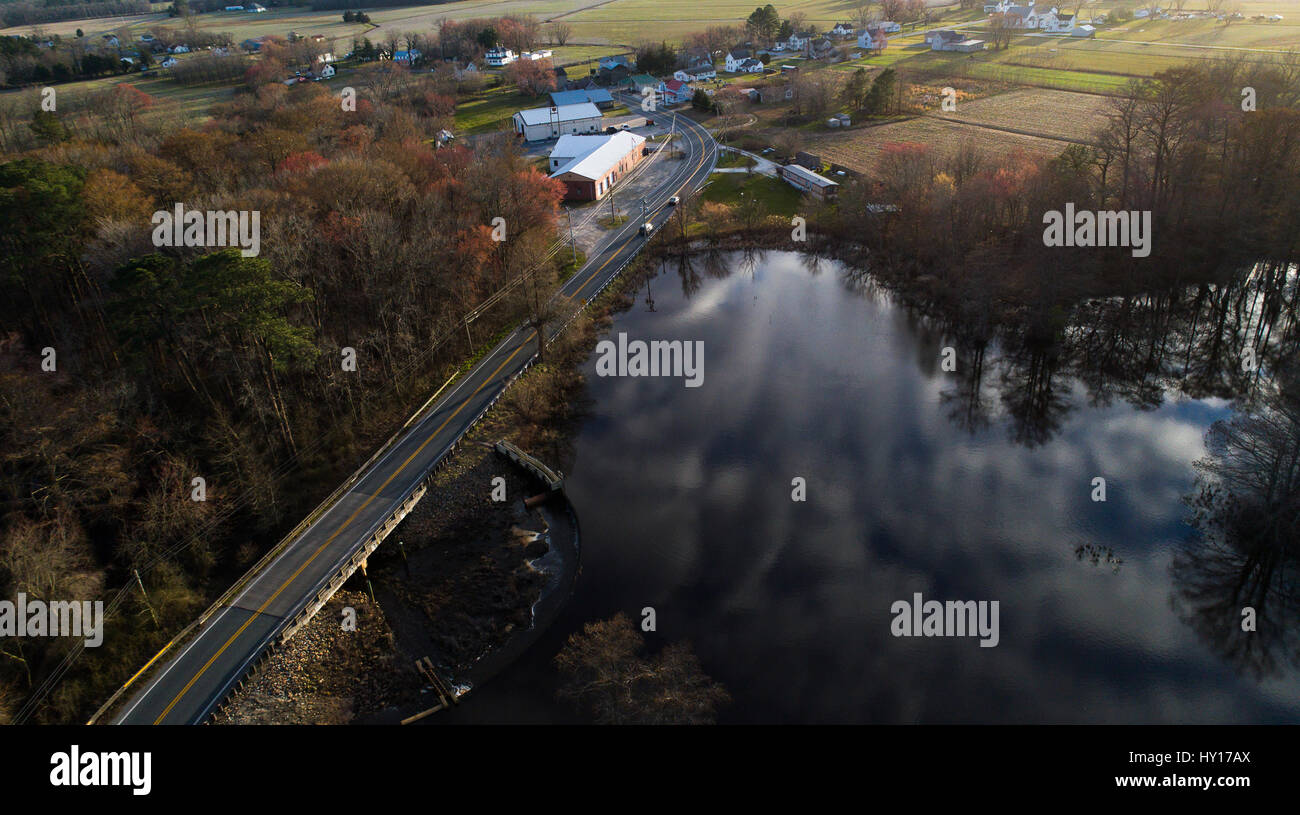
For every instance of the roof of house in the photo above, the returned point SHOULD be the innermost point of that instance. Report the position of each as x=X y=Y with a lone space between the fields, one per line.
x=597 y=163
x=617 y=59
x=575 y=97
x=738 y=53
x=809 y=176
x=749 y=63
x=674 y=84
x=563 y=113
x=642 y=79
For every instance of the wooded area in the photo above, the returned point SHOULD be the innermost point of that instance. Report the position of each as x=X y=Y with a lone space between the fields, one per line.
x=175 y=363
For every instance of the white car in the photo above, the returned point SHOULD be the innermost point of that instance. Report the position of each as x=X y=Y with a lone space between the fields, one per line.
x=674 y=201
x=647 y=228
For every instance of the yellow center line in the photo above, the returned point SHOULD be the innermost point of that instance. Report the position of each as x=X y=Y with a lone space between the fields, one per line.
x=331 y=538
x=703 y=156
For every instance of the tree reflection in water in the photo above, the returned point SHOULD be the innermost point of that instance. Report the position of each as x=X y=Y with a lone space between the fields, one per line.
x=1246 y=513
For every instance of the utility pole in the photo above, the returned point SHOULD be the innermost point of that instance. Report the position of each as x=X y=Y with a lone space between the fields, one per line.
x=140 y=583
x=569 y=214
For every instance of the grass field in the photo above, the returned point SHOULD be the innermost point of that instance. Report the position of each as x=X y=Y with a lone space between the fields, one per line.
x=190 y=102
x=489 y=109
x=778 y=197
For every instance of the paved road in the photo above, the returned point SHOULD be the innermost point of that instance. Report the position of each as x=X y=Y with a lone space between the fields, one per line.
x=186 y=689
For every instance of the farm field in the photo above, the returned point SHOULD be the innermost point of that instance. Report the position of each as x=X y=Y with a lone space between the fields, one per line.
x=240 y=25
x=1045 y=113
x=859 y=148
x=1241 y=34
x=595 y=22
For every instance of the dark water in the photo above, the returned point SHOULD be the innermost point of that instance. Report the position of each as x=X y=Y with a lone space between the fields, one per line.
x=973 y=485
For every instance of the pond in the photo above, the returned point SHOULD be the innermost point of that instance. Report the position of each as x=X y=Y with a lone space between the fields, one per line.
x=974 y=484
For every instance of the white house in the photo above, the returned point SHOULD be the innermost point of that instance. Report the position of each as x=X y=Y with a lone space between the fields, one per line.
x=1057 y=23
x=500 y=57
x=948 y=40
x=1030 y=16
x=167 y=62
x=536 y=55
x=872 y=37
x=750 y=66
x=798 y=40
x=539 y=124
x=323 y=71
x=695 y=74
x=842 y=29
x=734 y=58
x=179 y=49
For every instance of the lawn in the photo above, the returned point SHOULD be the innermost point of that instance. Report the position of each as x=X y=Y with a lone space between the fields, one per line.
x=778 y=197
x=731 y=159
x=487 y=110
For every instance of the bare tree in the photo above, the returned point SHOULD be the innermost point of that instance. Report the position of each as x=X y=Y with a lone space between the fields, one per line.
x=559 y=32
